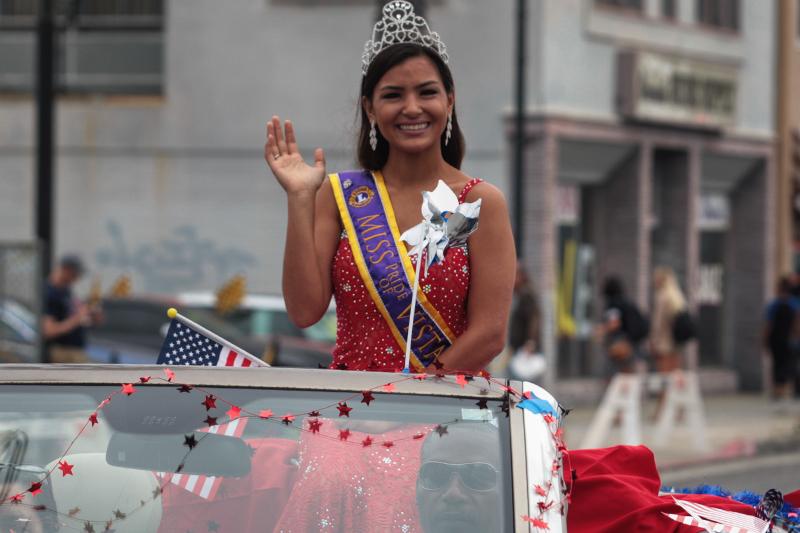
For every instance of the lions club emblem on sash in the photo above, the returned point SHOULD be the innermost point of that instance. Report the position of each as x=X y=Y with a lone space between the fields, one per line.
x=361 y=196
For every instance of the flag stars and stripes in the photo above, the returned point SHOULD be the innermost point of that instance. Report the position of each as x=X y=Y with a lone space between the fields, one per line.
x=185 y=346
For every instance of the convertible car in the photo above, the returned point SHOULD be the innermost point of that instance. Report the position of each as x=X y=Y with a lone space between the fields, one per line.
x=173 y=449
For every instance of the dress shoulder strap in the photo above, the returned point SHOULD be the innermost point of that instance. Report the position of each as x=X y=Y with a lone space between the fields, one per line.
x=468 y=187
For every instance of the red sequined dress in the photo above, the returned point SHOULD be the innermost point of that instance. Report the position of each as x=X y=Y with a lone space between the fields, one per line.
x=363 y=339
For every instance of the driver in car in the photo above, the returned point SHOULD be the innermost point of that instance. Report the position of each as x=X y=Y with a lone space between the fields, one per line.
x=459 y=485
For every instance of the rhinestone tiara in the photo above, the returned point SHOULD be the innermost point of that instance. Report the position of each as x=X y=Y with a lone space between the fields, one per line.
x=399 y=25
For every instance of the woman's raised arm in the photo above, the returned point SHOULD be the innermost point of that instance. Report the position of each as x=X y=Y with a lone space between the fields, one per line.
x=312 y=229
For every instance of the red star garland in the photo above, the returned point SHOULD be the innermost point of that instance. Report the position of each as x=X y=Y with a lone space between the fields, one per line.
x=170 y=374
x=66 y=468
x=93 y=419
x=536 y=522
x=17 y=498
x=387 y=444
x=544 y=506
x=389 y=387
x=314 y=425
x=344 y=434
x=265 y=413
x=314 y=414
x=441 y=430
x=234 y=412
x=367 y=397
x=461 y=379
x=366 y=442
x=144 y=379
x=127 y=388
x=35 y=488
x=105 y=402
x=210 y=402
x=482 y=404
x=288 y=419
x=418 y=436
x=344 y=410
x=190 y=441
x=211 y=420
x=185 y=388
x=541 y=491
x=421 y=377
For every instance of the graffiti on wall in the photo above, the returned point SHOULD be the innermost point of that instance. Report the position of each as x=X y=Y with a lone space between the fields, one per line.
x=182 y=261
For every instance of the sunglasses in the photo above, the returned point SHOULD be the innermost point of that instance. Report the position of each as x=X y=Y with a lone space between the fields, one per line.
x=480 y=477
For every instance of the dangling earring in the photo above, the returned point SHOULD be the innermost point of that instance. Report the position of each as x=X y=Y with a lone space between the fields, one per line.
x=373 y=135
x=449 y=130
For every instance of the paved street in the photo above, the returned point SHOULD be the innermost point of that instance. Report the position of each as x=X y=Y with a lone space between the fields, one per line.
x=756 y=474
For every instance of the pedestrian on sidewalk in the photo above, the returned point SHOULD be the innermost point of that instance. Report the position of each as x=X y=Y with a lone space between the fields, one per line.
x=526 y=360
x=623 y=329
x=668 y=303
x=781 y=331
x=65 y=317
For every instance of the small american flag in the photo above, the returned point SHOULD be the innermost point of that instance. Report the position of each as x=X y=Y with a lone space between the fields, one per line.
x=186 y=346
x=206 y=486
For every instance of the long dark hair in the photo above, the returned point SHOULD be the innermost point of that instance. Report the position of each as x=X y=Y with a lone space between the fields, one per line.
x=453 y=152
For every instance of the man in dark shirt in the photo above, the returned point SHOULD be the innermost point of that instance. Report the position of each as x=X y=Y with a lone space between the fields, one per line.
x=780 y=332
x=65 y=318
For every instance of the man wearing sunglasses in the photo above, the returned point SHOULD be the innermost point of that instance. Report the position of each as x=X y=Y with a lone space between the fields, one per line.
x=458 y=488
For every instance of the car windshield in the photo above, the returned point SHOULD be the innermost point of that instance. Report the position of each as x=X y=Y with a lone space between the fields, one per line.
x=180 y=458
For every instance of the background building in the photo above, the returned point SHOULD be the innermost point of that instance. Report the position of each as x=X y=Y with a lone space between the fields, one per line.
x=162 y=121
x=650 y=142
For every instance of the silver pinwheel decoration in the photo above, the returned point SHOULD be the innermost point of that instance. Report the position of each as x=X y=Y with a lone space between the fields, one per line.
x=445 y=223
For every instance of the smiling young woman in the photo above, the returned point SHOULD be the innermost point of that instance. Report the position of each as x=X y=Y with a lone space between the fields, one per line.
x=350 y=223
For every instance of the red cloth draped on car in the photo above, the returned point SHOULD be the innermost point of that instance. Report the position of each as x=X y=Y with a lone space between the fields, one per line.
x=617 y=490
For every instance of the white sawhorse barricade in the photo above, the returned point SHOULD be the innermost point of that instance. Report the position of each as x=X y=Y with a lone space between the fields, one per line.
x=682 y=403
x=622 y=404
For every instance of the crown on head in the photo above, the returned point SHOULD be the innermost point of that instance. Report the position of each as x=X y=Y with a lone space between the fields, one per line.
x=399 y=25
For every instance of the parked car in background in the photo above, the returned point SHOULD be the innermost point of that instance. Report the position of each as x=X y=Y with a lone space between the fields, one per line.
x=133 y=329
x=18 y=332
x=176 y=456
x=264 y=317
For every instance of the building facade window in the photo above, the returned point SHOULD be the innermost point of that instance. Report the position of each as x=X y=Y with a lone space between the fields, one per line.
x=102 y=46
x=633 y=5
x=668 y=9
x=719 y=14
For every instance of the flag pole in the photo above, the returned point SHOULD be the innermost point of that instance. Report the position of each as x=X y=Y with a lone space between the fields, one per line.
x=174 y=314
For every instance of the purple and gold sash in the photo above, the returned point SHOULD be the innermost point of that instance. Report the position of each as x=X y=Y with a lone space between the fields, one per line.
x=384 y=265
